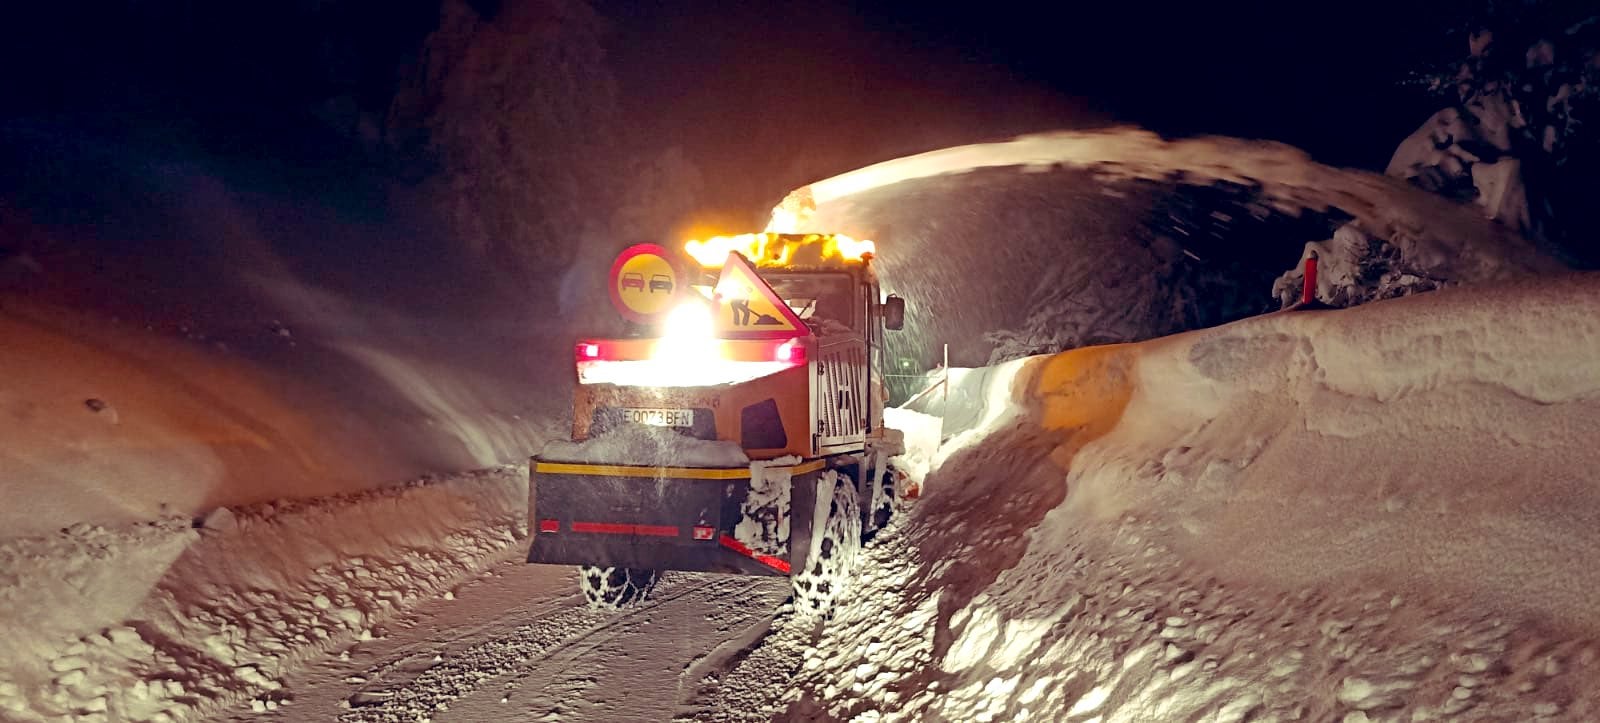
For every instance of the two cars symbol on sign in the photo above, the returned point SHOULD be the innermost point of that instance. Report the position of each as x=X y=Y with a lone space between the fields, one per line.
x=645 y=283
x=658 y=282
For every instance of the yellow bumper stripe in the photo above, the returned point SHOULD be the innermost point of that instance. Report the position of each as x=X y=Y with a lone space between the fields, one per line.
x=618 y=470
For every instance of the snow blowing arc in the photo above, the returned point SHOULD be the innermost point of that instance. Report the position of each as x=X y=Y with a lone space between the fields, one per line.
x=1425 y=226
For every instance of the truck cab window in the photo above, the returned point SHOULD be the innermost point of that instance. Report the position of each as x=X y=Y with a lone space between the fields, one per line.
x=825 y=302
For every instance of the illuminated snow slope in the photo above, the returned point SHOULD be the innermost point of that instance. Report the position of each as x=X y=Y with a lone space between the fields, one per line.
x=1382 y=513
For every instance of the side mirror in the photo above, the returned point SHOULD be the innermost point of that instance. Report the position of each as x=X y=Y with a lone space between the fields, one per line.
x=894 y=313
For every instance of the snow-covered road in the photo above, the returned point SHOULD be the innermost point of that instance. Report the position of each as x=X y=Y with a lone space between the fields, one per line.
x=520 y=644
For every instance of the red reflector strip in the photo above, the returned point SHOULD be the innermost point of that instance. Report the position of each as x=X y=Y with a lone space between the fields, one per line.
x=704 y=533
x=617 y=528
x=549 y=525
x=768 y=560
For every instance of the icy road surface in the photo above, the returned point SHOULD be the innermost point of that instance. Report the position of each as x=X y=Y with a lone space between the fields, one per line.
x=520 y=644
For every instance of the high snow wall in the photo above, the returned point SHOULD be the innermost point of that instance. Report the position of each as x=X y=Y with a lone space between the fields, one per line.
x=110 y=425
x=1380 y=512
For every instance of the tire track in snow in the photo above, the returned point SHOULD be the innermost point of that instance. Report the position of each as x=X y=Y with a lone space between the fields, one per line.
x=635 y=665
x=444 y=679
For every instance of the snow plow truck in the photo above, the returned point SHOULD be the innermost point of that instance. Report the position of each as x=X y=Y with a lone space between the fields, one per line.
x=737 y=427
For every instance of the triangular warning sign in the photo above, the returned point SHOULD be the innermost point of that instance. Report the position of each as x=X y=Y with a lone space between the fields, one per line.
x=747 y=308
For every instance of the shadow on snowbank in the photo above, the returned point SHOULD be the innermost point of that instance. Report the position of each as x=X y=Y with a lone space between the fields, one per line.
x=1239 y=527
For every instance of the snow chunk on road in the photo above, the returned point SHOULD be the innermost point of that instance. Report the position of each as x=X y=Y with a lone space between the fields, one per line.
x=922 y=435
x=638 y=444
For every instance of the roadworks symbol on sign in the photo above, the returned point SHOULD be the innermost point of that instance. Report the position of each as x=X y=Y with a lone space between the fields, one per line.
x=747 y=308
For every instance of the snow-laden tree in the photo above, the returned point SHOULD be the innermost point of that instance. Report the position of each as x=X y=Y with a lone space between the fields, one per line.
x=1518 y=135
x=1521 y=121
x=515 y=112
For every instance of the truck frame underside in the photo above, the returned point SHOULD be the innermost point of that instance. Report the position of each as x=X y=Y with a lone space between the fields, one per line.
x=671 y=518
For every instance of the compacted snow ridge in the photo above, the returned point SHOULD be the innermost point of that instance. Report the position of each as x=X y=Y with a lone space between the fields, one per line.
x=170 y=621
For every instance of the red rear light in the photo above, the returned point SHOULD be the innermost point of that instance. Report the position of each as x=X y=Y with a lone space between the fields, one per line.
x=701 y=532
x=790 y=352
x=588 y=350
x=549 y=525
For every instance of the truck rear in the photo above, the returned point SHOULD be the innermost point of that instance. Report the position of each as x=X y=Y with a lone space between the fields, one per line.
x=739 y=430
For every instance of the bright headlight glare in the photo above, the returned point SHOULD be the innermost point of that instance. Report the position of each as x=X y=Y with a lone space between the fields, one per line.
x=690 y=321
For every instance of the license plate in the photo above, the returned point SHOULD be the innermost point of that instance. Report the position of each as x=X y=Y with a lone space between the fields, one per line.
x=659 y=417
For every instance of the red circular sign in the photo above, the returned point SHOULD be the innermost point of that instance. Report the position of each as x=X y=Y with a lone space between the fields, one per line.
x=646 y=282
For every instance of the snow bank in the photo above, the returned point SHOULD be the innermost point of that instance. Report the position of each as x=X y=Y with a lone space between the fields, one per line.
x=1386 y=512
x=110 y=424
x=164 y=621
x=922 y=436
x=639 y=444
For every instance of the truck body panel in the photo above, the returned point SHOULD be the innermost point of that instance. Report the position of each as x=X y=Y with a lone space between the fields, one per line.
x=810 y=396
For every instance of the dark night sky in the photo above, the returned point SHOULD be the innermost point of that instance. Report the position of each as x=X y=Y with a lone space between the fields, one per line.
x=882 y=79
x=793 y=91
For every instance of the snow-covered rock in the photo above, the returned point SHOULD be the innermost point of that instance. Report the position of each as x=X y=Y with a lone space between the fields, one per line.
x=218 y=520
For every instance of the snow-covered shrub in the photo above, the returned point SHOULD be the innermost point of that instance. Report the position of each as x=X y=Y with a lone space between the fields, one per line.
x=514 y=115
x=1519 y=136
x=1353 y=268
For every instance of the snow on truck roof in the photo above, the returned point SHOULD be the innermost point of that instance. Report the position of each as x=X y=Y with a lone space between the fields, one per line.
x=783 y=250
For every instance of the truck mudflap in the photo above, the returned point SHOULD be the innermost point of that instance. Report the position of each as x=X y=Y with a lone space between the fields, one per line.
x=657 y=518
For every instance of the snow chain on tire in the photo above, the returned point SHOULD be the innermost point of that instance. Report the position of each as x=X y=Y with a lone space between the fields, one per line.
x=615 y=587
x=833 y=548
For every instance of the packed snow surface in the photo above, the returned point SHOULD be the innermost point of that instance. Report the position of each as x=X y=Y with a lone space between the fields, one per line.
x=164 y=621
x=1383 y=513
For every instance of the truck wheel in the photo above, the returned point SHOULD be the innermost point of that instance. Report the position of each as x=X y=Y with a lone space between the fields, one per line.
x=882 y=481
x=615 y=587
x=833 y=548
